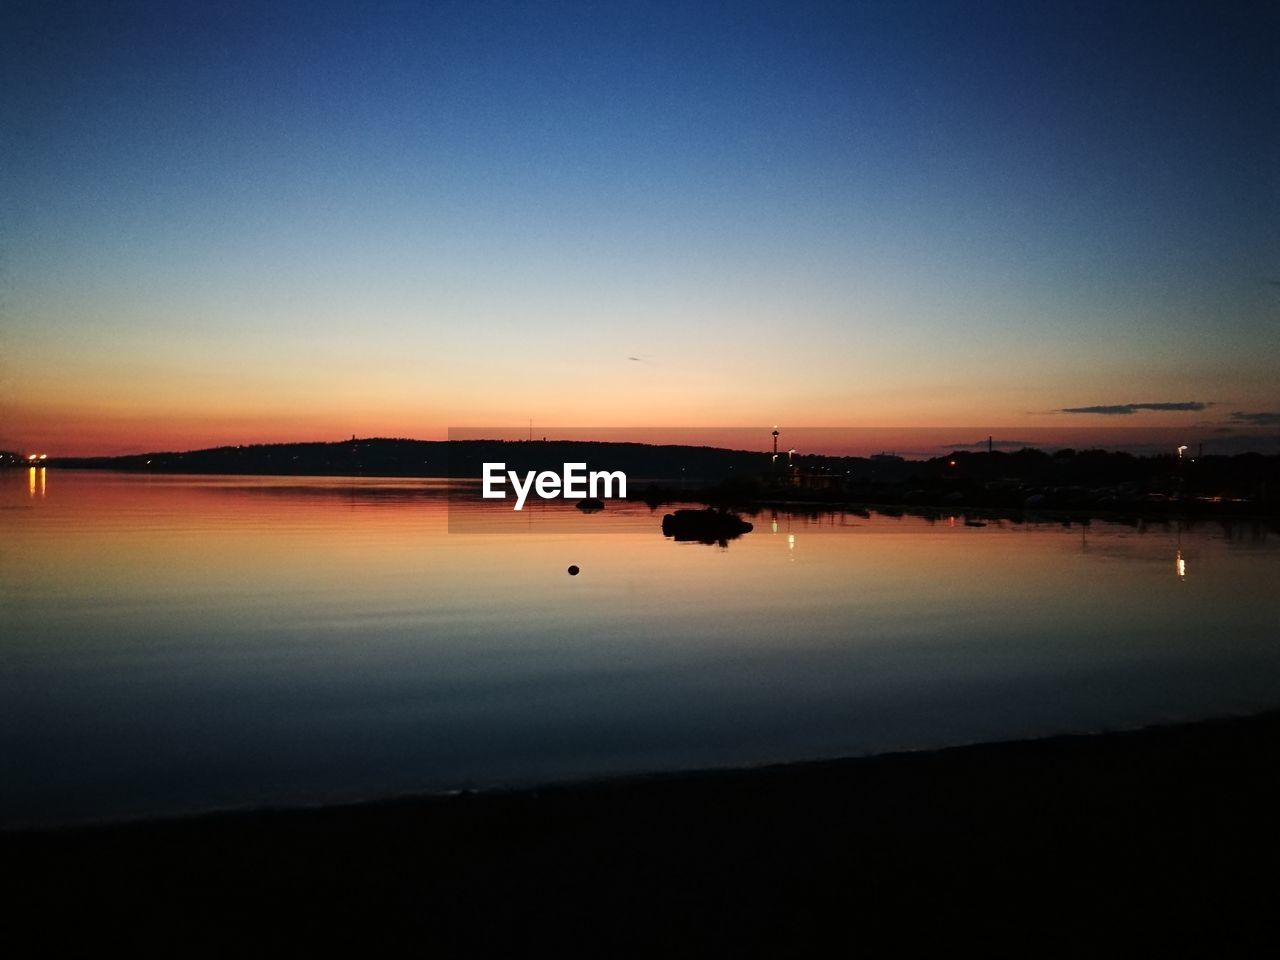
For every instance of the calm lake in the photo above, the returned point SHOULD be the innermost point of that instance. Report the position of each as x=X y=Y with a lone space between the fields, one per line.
x=173 y=643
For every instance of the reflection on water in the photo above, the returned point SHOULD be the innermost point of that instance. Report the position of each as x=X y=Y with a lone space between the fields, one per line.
x=179 y=643
x=773 y=528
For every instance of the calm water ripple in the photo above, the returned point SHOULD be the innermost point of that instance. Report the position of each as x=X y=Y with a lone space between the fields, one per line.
x=173 y=644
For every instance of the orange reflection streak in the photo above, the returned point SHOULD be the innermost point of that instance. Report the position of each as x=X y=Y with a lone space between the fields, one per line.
x=385 y=545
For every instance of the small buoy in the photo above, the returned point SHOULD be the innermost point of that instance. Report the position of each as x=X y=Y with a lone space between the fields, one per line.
x=573 y=570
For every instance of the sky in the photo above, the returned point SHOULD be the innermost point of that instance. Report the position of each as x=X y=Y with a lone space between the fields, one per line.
x=238 y=223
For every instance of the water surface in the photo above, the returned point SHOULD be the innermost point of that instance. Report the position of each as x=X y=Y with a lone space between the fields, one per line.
x=173 y=644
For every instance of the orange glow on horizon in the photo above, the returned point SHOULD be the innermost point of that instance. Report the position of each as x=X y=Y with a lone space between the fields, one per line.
x=86 y=430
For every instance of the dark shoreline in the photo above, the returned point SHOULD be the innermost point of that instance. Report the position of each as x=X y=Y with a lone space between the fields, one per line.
x=657 y=496
x=1163 y=833
x=1080 y=482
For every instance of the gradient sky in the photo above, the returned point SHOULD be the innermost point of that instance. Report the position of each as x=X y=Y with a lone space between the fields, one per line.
x=232 y=223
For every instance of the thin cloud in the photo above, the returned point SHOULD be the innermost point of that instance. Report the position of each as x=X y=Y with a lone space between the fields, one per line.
x=1265 y=419
x=1126 y=409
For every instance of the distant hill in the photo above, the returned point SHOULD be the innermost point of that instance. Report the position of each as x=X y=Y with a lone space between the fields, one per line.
x=438 y=458
x=1064 y=479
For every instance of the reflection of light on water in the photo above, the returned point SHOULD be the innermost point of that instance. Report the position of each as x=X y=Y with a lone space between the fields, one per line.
x=1180 y=564
x=31 y=480
x=775 y=525
x=791 y=541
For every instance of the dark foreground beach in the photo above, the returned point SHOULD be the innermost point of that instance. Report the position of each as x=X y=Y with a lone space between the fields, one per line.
x=1169 y=835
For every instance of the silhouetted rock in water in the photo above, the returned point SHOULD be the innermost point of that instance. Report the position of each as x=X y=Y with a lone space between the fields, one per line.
x=704 y=526
x=590 y=505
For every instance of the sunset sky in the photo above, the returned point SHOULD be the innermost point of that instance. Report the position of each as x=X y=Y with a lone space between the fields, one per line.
x=235 y=223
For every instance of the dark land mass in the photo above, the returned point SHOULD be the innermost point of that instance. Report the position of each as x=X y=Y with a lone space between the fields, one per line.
x=704 y=526
x=1083 y=481
x=1123 y=842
